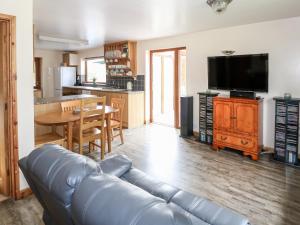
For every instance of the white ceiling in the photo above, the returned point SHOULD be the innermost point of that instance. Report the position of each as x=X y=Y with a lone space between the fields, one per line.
x=100 y=21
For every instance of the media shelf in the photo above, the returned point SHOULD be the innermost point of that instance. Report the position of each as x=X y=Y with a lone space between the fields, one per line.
x=206 y=117
x=286 y=130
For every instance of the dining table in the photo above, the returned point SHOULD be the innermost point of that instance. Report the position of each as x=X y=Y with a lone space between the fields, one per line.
x=70 y=118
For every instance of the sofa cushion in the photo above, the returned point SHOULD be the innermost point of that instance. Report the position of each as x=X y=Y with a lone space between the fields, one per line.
x=207 y=210
x=116 y=165
x=108 y=200
x=149 y=184
x=193 y=219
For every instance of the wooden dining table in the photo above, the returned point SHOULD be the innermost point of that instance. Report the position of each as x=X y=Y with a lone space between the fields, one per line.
x=69 y=118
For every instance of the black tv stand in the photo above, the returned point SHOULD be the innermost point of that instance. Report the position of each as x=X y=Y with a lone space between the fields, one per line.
x=242 y=94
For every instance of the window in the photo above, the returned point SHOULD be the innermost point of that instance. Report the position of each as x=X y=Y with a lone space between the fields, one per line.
x=95 y=69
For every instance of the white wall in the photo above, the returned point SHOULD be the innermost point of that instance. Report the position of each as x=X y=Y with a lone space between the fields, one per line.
x=281 y=39
x=50 y=60
x=23 y=12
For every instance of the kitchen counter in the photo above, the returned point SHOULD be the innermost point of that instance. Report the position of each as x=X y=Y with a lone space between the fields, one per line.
x=41 y=101
x=134 y=108
x=103 y=89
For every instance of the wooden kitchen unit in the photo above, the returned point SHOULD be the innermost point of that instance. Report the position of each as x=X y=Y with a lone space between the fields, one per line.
x=121 y=58
x=70 y=59
x=133 y=115
x=238 y=125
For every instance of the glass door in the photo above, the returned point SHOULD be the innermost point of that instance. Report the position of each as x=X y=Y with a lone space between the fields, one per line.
x=163 y=86
x=168 y=83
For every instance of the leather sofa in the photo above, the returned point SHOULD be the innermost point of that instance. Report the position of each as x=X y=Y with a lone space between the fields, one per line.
x=74 y=189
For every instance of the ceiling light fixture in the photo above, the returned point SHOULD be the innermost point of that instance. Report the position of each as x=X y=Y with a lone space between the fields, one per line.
x=218 y=6
x=63 y=40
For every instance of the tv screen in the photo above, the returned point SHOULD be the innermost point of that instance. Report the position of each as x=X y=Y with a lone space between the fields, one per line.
x=239 y=72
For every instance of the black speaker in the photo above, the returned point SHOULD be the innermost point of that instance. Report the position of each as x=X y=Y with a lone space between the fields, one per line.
x=243 y=94
x=186 y=116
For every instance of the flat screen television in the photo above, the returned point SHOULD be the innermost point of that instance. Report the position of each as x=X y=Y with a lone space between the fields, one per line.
x=239 y=72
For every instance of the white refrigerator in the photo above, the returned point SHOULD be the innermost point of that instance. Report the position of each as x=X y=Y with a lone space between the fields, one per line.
x=63 y=76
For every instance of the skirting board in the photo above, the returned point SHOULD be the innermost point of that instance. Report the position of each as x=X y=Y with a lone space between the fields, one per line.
x=24 y=193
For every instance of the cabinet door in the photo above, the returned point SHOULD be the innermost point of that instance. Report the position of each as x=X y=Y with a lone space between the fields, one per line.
x=222 y=115
x=73 y=59
x=245 y=118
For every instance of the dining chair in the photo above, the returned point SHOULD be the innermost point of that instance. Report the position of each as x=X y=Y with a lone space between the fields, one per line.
x=49 y=138
x=117 y=118
x=92 y=124
x=68 y=107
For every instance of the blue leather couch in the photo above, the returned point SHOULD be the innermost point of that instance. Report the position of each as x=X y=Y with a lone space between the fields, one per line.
x=74 y=189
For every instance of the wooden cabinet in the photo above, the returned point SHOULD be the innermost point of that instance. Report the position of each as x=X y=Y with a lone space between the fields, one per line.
x=120 y=58
x=70 y=59
x=238 y=125
x=133 y=115
x=71 y=91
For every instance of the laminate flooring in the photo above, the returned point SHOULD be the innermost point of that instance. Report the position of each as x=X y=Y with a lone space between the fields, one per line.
x=267 y=192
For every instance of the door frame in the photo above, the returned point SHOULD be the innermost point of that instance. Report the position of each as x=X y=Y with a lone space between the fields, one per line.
x=176 y=83
x=11 y=107
x=39 y=60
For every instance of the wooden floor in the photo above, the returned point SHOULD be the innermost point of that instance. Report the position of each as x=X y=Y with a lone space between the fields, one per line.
x=264 y=191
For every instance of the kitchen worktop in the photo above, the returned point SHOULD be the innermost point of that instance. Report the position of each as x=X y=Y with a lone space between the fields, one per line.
x=41 y=101
x=104 y=89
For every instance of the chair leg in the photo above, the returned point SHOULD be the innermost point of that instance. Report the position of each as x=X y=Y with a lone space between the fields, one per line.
x=80 y=148
x=103 y=144
x=90 y=147
x=121 y=135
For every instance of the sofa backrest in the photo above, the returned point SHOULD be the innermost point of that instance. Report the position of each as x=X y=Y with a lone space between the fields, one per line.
x=109 y=200
x=53 y=174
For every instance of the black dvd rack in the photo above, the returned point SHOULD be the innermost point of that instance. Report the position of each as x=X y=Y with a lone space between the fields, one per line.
x=286 y=130
x=206 y=117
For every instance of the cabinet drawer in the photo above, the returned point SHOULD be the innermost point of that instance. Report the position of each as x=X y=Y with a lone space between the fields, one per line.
x=235 y=141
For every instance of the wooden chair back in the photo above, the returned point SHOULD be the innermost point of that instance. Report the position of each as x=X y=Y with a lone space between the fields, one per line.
x=90 y=115
x=70 y=105
x=118 y=103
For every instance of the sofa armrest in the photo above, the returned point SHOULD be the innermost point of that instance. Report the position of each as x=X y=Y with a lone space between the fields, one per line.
x=23 y=164
x=116 y=165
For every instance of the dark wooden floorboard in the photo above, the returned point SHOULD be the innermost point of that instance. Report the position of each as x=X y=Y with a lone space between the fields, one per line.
x=264 y=191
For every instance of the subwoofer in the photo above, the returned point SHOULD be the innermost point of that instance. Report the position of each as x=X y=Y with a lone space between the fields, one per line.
x=186 y=116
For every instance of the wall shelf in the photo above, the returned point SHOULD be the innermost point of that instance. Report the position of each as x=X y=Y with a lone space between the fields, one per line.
x=121 y=53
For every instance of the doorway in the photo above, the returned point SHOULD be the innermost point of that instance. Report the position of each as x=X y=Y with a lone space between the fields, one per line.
x=9 y=172
x=38 y=73
x=167 y=84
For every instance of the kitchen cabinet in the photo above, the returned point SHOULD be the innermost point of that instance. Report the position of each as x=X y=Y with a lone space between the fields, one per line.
x=133 y=115
x=70 y=59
